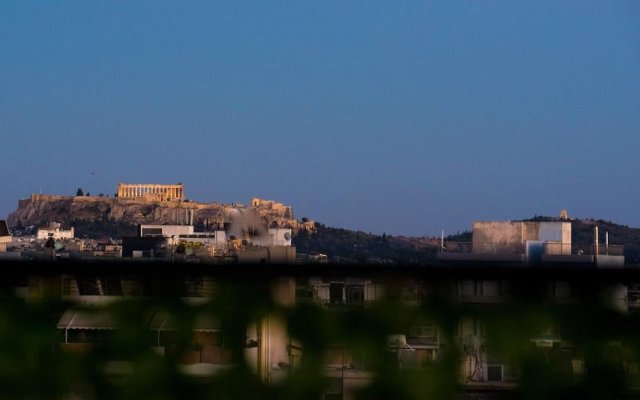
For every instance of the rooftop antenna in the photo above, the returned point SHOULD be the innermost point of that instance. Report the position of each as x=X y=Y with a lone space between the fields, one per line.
x=595 y=240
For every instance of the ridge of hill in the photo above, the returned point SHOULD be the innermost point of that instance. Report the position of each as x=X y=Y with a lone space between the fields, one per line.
x=104 y=217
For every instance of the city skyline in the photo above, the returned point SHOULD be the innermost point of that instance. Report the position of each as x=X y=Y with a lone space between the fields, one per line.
x=402 y=119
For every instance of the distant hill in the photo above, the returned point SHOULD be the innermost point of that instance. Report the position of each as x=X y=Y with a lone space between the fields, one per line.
x=105 y=217
x=344 y=245
x=347 y=245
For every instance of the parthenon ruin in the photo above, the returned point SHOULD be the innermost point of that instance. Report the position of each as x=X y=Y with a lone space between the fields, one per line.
x=151 y=191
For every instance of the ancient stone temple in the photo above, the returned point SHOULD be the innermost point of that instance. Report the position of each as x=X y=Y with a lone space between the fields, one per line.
x=151 y=192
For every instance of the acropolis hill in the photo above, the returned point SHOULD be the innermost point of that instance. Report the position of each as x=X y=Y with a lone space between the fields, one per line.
x=142 y=208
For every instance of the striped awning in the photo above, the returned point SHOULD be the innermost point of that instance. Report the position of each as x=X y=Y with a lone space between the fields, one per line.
x=158 y=321
x=85 y=319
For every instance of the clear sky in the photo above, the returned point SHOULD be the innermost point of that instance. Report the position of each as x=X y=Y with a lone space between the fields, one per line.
x=386 y=116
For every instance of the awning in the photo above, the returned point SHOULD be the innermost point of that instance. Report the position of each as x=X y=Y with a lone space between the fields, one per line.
x=158 y=321
x=90 y=319
x=84 y=319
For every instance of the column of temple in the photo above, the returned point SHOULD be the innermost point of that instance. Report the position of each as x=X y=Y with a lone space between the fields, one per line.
x=160 y=191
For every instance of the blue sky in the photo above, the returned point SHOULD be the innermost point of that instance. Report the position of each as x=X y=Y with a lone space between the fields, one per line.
x=386 y=116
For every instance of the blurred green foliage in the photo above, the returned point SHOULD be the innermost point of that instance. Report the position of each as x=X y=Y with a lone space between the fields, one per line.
x=34 y=363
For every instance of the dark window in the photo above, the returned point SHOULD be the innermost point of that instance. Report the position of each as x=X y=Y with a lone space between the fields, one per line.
x=494 y=373
x=334 y=389
x=88 y=287
x=336 y=293
x=152 y=232
x=111 y=287
x=89 y=335
x=355 y=294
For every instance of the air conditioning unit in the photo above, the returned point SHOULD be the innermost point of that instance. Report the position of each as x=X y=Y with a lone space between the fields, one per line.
x=395 y=342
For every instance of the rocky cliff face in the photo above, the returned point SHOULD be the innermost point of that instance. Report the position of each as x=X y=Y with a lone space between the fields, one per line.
x=42 y=209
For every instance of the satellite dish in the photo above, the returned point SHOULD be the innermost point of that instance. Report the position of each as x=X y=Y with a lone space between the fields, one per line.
x=287 y=235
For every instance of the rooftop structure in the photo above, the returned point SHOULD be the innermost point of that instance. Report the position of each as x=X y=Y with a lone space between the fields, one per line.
x=55 y=231
x=531 y=242
x=521 y=237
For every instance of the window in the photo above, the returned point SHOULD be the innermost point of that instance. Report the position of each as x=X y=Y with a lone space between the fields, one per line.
x=111 y=287
x=334 y=389
x=490 y=288
x=304 y=293
x=96 y=336
x=467 y=288
x=423 y=334
x=494 y=373
x=479 y=288
x=336 y=293
x=577 y=366
x=88 y=286
x=151 y=232
x=470 y=326
x=355 y=294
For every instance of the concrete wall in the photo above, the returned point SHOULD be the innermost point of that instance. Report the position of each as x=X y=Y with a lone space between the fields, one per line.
x=605 y=261
x=497 y=237
x=510 y=237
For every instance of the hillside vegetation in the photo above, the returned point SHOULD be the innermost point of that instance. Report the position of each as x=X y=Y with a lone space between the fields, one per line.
x=344 y=245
